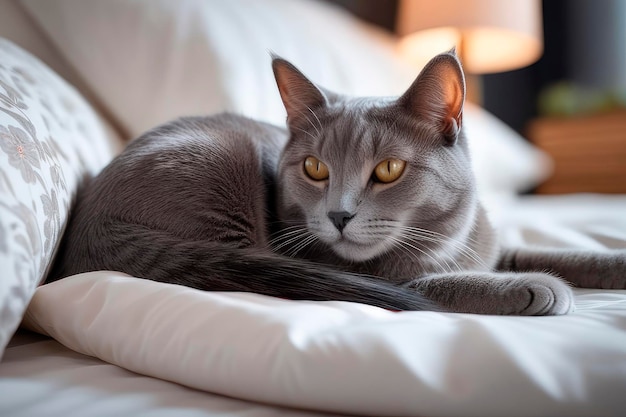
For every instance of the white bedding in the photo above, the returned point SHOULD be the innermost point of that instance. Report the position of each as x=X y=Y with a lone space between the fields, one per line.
x=335 y=356
x=40 y=377
x=272 y=353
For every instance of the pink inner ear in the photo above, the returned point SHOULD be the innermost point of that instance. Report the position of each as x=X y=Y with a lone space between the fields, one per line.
x=438 y=93
x=299 y=95
x=453 y=98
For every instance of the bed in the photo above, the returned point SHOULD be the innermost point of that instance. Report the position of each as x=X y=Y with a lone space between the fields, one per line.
x=103 y=343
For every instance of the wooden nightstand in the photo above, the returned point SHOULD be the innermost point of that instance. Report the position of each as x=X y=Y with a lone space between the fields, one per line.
x=589 y=152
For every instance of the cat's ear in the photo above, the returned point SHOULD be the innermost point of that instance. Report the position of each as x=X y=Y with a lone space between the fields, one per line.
x=300 y=96
x=437 y=95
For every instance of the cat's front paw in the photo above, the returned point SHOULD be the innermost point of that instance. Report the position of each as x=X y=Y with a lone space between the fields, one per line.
x=542 y=295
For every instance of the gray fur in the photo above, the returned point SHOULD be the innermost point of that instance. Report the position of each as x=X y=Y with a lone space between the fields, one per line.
x=224 y=203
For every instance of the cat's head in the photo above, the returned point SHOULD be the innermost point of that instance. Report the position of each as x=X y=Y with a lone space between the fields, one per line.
x=364 y=175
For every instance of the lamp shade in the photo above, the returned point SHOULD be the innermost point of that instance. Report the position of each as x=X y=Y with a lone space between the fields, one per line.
x=490 y=35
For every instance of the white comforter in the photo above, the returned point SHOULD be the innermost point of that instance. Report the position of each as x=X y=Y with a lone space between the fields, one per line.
x=349 y=358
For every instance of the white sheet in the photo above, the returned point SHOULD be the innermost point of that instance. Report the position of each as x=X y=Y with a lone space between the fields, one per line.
x=359 y=359
x=584 y=221
x=40 y=377
x=344 y=357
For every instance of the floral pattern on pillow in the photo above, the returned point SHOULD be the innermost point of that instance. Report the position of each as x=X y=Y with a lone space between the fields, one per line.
x=50 y=140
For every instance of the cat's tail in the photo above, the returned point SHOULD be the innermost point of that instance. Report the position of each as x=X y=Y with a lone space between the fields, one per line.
x=213 y=266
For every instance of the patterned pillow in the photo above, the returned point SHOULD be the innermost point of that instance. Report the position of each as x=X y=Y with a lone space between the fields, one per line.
x=50 y=139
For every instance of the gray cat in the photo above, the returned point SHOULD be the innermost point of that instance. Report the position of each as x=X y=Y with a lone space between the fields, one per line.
x=364 y=200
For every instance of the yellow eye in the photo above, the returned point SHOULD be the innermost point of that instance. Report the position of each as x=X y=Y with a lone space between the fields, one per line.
x=315 y=169
x=389 y=170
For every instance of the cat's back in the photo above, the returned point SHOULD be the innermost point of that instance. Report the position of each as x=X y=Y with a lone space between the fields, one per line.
x=194 y=178
x=183 y=163
x=197 y=140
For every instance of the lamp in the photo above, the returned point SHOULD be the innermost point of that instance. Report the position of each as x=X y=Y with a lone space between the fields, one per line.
x=489 y=35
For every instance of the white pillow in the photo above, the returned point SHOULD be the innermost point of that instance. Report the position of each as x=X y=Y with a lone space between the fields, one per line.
x=50 y=139
x=150 y=61
x=503 y=160
x=344 y=357
x=154 y=60
x=504 y=163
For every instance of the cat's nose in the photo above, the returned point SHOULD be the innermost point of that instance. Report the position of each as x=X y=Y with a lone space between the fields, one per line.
x=340 y=219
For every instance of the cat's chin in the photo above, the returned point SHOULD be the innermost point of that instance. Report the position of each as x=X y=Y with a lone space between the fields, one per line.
x=355 y=252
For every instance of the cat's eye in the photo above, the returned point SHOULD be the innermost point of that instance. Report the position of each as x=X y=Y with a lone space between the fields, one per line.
x=389 y=170
x=315 y=169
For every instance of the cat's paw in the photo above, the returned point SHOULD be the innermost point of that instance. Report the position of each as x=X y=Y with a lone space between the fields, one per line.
x=542 y=295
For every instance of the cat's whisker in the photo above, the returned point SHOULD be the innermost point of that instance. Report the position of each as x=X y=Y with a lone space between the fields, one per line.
x=469 y=253
x=399 y=244
x=317 y=130
x=296 y=238
x=418 y=234
x=437 y=233
x=277 y=248
x=462 y=249
x=306 y=132
x=408 y=249
x=299 y=240
x=285 y=235
x=305 y=245
x=289 y=240
x=436 y=237
x=311 y=246
x=316 y=118
x=404 y=243
x=287 y=245
x=296 y=249
x=287 y=231
x=449 y=257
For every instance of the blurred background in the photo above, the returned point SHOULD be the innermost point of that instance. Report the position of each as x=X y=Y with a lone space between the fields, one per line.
x=553 y=71
x=568 y=98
